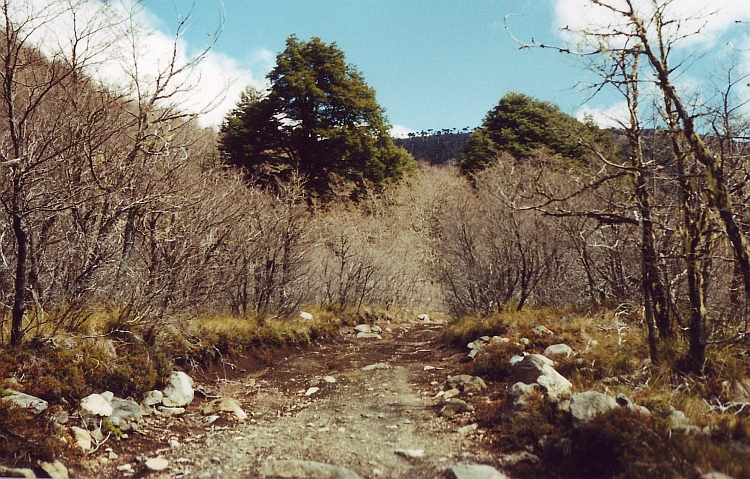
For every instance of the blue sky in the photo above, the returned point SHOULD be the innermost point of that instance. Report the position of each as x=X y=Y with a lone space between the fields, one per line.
x=434 y=64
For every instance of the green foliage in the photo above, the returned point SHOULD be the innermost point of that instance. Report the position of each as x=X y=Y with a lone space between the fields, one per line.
x=319 y=118
x=521 y=125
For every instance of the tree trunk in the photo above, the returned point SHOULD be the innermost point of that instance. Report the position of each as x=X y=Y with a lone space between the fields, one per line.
x=19 y=290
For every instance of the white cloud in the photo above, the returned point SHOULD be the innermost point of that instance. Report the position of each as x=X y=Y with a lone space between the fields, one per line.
x=125 y=43
x=614 y=116
x=710 y=29
x=400 y=131
x=711 y=19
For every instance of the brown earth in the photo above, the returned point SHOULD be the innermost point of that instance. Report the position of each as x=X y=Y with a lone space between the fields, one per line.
x=358 y=422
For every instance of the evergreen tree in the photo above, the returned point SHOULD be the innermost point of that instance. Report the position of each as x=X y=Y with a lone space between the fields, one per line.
x=319 y=118
x=522 y=125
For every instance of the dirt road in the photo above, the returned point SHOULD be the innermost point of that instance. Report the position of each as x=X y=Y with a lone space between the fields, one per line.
x=320 y=405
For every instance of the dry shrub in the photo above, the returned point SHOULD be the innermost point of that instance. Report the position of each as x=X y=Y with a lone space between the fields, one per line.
x=469 y=328
x=25 y=438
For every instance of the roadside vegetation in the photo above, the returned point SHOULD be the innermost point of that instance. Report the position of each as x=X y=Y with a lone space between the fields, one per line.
x=133 y=242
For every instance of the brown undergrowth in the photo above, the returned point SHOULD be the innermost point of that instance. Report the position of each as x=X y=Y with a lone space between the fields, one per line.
x=130 y=361
x=611 y=356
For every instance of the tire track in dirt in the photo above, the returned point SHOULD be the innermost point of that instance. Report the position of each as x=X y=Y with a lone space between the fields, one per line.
x=357 y=422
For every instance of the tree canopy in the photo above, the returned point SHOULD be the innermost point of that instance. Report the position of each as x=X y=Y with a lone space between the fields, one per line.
x=521 y=125
x=318 y=118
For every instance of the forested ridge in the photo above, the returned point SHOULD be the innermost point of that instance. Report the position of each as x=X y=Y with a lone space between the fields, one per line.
x=134 y=242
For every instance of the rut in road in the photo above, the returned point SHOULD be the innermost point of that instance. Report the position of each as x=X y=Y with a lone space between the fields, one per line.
x=368 y=422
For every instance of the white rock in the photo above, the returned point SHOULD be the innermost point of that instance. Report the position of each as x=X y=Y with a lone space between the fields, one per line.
x=424 y=318
x=125 y=468
x=474 y=471
x=25 y=401
x=312 y=390
x=377 y=329
x=372 y=367
x=171 y=411
x=558 y=350
x=56 y=469
x=429 y=368
x=451 y=393
x=542 y=331
x=224 y=405
x=179 y=391
x=157 y=464
x=363 y=328
x=108 y=395
x=369 y=336
x=153 y=398
x=415 y=453
x=82 y=437
x=467 y=429
x=210 y=419
x=535 y=368
x=96 y=405
x=329 y=379
x=584 y=406
x=306 y=316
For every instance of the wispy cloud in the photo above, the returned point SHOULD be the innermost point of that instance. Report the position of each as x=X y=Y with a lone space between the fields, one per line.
x=127 y=43
x=708 y=33
x=400 y=131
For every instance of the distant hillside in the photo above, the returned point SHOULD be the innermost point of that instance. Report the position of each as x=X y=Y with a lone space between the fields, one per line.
x=436 y=148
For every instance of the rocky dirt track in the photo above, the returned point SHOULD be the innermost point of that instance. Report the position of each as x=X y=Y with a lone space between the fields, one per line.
x=371 y=422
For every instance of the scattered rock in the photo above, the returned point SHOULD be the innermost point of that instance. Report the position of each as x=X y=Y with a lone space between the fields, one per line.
x=157 y=464
x=535 y=368
x=628 y=403
x=477 y=345
x=677 y=418
x=474 y=471
x=291 y=469
x=171 y=411
x=410 y=453
x=55 y=469
x=124 y=413
x=715 y=475
x=210 y=419
x=179 y=391
x=558 y=350
x=584 y=406
x=25 y=401
x=369 y=336
x=519 y=393
x=82 y=437
x=467 y=429
x=153 y=398
x=224 y=405
x=96 y=405
x=542 y=331
x=455 y=406
x=17 y=472
x=363 y=328
x=306 y=316
x=451 y=393
x=372 y=367
x=511 y=460
x=466 y=383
